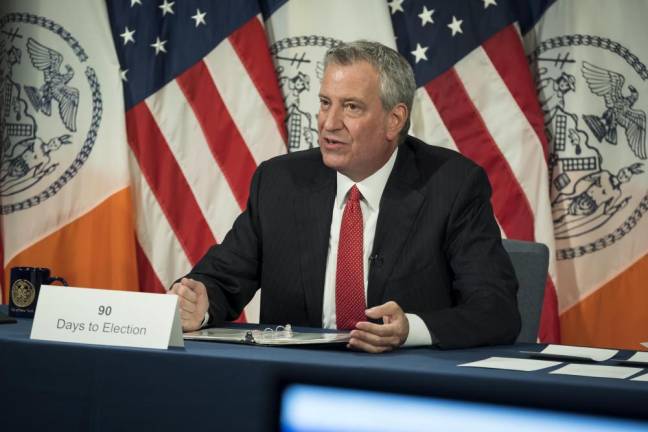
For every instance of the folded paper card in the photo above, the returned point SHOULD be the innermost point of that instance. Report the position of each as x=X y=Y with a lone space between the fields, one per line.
x=106 y=317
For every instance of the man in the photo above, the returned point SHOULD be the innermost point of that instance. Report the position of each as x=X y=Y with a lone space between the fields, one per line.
x=373 y=218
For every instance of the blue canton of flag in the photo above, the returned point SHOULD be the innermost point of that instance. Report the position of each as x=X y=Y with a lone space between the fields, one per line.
x=435 y=34
x=158 y=40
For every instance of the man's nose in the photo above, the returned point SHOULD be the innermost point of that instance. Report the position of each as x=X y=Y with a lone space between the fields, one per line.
x=332 y=118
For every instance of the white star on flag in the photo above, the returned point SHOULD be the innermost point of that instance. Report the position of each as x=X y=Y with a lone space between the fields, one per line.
x=419 y=53
x=122 y=74
x=426 y=16
x=395 y=6
x=128 y=36
x=167 y=7
x=489 y=3
x=134 y=2
x=159 y=46
x=455 y=26
x=199 y=17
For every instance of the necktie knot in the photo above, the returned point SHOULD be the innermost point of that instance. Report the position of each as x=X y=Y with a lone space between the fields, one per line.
x=354 y=194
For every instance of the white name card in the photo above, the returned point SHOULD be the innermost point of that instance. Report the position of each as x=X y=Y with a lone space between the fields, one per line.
x=104 y=317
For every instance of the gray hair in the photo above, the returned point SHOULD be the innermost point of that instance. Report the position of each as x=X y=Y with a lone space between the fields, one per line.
x=397 y=84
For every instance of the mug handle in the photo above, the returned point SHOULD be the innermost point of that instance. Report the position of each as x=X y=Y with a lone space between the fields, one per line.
x=57 y=279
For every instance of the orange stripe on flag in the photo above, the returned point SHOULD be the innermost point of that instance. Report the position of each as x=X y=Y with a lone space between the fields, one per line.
x=614 y=315
x=96 y=250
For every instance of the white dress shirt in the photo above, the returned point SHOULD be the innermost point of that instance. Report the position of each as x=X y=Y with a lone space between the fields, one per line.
x=371 y=189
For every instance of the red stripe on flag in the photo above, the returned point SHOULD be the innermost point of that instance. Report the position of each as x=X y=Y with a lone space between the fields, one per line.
x=507 y=55
x=225 y=141
x=549 y=320
x=148 y=280
x=166 y=180
x=251 y=45
x=473 y=139
x=506 y=52
x=3 y=282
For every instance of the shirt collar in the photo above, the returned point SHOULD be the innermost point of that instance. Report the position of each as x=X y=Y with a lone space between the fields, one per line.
x=371 y=188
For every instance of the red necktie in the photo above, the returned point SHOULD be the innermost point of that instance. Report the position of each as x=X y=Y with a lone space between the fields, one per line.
x=349 y=279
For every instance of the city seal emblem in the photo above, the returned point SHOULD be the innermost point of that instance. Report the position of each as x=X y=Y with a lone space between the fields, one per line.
x=50 y=109
x=23 y=293
x=594 y=95
x=299 y=63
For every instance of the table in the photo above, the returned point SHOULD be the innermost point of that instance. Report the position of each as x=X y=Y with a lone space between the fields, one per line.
x=216 y=386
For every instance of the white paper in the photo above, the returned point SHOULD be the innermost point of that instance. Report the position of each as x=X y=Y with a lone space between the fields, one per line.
x=597 y=371
x=639 y=357
x=576 y=352
x=643 y=377
x=526 y=365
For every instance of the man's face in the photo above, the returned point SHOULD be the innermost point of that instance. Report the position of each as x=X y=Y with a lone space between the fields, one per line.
x=356 y=135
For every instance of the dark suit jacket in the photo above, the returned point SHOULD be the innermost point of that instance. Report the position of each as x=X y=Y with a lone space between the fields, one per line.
x=437 y=249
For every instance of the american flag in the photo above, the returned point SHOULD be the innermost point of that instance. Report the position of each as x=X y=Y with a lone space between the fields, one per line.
x=476 y=95
x=203 y=109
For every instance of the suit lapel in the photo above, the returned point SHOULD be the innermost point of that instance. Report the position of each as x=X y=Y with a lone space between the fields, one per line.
x=399 y=207
x=313 y=208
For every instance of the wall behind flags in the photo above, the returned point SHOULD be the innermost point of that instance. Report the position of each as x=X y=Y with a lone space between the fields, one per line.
x=131 y=129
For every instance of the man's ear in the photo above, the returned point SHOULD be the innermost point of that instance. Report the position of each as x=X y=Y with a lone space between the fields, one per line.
x=396 y=120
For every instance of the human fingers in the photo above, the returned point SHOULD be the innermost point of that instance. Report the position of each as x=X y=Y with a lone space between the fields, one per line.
x=186 y=305
x=183 y=293
x=377 y=329
x=361 y=345
x=395 y=322
x=186 y=293
x=385 y=309
x=195 y=285
x=390 y=339
x=174 y=288
x=189 y=323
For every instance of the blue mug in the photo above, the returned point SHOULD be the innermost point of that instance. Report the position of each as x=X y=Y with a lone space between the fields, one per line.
x=24 y=287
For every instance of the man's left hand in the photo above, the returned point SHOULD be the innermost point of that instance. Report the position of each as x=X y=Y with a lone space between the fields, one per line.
x=376 y=338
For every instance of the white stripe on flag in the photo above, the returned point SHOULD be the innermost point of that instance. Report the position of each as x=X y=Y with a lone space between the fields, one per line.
x=155 y=235
x=506 y=123
x=427 y=123
x=515 y=137
x=186 y=140
x=249 y=112
x=429 y=127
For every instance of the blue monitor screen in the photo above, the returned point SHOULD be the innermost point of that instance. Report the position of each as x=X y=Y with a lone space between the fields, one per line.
x=306 y=408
